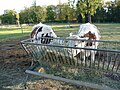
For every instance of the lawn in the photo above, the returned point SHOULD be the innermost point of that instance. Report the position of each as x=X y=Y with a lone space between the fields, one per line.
x=108 y=31
x=12 y=32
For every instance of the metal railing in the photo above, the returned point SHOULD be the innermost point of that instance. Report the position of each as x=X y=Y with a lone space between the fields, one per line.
x=107 y=55
x=58 y=52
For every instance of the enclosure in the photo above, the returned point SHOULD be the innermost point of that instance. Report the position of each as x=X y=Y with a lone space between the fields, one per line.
x=57 y=61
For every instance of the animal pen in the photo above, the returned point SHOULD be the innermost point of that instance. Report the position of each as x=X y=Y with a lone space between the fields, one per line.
x=56 y=61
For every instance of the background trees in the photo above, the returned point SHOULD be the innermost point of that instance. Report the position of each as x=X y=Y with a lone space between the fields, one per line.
x=81 y=11
x=33 y=15
x=9 y=17
x=65 y=13
x=50 y=13
x=87 y=8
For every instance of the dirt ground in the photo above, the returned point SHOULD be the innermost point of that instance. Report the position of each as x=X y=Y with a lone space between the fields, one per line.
x=13 y=63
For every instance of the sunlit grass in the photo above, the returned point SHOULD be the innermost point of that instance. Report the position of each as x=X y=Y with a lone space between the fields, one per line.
x=108 y=31
x=13 y=33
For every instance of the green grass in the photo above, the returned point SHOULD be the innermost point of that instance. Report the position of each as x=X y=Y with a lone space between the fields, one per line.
x=108 y=31
x=13 y=33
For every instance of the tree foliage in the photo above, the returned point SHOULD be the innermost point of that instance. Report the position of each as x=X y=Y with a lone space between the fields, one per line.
x=117 y=2
x=82 y=10
x=50 y=13
x=9 y=17
x=33 y=15
x=65 y=12
x=87 y=8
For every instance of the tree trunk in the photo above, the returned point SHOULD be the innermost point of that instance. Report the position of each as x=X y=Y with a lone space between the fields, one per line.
x=88 y=18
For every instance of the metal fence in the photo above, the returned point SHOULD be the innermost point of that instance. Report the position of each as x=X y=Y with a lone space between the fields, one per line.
x=107 y=54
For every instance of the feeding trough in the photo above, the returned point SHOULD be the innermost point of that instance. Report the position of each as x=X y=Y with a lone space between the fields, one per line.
x=60 y=61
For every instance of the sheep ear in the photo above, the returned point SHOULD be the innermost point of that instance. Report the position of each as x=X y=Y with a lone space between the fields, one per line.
x=89 y=32
x=71 y=34
x=40 y=23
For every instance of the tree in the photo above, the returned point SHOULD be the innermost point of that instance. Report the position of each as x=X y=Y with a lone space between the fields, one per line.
x=117 y=2
x=65 y=12
x=34 y=3
x=100 y=16
x=17 y=19
x=59 y=12
x=9 y=17
x=41 y=13
x=68 y=12
x=25 y=16
x=50 y=14
x=87 y=8
x=33 y=15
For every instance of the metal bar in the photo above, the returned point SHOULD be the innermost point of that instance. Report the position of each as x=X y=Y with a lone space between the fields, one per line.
x=95 y=86
x=114 y=62
x=109 y=61
x=65 y=60
x=103 y=60
x=62 y=38
x=50 y=45
x=50 y=55
x=45 y=54
x=98 y=60
x=28 y=41
x=118 y=66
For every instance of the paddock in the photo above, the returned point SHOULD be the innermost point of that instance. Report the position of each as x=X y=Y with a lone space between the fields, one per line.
x=56 y=61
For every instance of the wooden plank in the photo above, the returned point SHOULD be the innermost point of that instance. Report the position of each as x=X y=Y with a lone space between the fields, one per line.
x=91 y=85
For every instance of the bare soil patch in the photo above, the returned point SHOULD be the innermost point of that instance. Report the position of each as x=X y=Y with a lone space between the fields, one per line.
x=13 y=62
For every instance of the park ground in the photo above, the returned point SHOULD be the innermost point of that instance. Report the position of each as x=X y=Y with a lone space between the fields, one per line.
x=14 y=60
